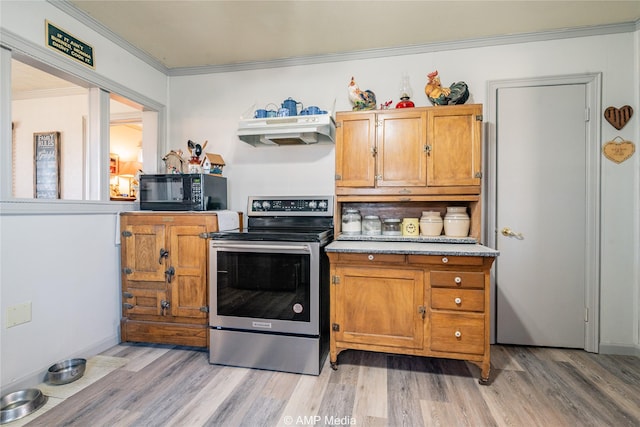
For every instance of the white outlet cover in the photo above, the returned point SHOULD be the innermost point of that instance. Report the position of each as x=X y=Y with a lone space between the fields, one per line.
x=19 y=314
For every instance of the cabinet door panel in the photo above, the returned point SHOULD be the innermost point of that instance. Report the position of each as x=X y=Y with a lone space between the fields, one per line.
x=380 y=306
x=142 y=254
x=355 y=145
x=455 y=150
x=188 y=259
x=402 y=149
x=144 y=302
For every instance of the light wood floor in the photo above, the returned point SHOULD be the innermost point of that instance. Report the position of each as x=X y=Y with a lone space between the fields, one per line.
x=175 y=386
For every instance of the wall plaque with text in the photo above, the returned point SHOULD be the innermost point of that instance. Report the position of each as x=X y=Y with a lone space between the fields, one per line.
x=46 y=162
x=67 y=44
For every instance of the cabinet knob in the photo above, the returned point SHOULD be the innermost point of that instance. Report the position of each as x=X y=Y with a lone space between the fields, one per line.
x=458 y=280
x=445 y=259
x=370 y=257
x=458 y=334
x=458 y=301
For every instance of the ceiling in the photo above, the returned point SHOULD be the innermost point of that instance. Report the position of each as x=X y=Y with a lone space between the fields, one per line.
x=182 y=34
x=185 y=33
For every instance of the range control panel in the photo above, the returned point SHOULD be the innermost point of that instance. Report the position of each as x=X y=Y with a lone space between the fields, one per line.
x=291 y=206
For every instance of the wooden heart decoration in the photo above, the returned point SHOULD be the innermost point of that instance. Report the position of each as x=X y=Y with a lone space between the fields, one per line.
x=618 y=151
x=618 y=117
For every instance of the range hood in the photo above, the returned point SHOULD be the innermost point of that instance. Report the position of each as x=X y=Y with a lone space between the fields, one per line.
x=293 y=130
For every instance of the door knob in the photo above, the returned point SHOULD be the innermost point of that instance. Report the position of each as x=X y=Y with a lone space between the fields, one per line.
x=506 y=231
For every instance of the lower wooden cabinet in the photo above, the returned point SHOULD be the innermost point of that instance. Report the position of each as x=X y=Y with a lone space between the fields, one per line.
x=423 y=305
x=164 y=262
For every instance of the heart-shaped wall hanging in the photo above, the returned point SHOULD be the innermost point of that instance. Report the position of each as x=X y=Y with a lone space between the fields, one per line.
x=618 y=151
x=618 y=117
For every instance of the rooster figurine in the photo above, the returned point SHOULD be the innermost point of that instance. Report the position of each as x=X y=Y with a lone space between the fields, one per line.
x=457 y=93
x=361 y=100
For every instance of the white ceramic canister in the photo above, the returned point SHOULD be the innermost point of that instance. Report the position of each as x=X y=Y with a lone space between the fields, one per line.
x=351 y=221
x=431 y=223
x=456 y=222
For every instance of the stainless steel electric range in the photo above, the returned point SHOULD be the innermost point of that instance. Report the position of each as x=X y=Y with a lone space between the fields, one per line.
x=269 y=286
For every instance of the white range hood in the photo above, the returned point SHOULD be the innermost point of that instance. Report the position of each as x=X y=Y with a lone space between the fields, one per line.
x=293 y=130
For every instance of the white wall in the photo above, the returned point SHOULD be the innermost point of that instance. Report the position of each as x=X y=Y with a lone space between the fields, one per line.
x=208 y=107
x=62 y=257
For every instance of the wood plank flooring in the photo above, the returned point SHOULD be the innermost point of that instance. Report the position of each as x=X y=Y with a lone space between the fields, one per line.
x=176 y=386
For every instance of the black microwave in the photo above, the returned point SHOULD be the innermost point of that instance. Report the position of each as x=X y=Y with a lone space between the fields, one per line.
x=183 y=192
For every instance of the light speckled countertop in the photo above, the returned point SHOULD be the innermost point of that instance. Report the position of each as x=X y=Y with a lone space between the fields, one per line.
x=411 y=248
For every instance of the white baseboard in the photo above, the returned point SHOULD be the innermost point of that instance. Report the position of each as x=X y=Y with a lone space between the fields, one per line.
x=619 y=349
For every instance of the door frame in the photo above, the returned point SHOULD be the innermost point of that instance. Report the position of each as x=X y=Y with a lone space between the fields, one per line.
x=593 y=83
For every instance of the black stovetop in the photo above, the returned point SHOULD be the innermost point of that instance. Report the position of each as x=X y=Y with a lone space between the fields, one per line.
x=292 y=229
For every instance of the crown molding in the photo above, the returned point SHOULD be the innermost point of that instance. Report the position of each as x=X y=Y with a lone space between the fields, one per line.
x=625 y=27
x=567 y=33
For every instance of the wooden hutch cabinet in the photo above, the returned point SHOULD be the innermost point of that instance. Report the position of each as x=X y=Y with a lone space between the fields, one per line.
x=417 y=296
x=422 y=305
x=406 y=161
x=164 y=265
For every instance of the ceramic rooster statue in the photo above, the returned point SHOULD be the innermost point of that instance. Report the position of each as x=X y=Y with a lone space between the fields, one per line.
x=457 y=93
x=361 y=100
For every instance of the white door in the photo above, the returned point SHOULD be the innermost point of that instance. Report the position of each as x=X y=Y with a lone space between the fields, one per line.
x=541 y=215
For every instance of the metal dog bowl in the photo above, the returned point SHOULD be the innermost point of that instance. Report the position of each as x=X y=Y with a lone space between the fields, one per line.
x=20 y=404
x=66 y=371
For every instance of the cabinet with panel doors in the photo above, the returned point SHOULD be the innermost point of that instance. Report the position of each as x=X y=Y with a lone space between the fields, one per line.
x=401 y=162
x=164 y=264
x=412 y=151
x=416 y=304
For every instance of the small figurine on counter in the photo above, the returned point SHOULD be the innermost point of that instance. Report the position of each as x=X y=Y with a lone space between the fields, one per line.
x=361 y=100
x=386 y=105
x=457 y=93
x=174 y=162
x=212 y=164
x=196 y=151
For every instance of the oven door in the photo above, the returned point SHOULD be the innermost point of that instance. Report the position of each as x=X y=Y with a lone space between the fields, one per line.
x=265 y=286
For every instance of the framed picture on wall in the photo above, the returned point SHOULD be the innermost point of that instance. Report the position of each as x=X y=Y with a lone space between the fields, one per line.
x=114 y=164
x=46 y=162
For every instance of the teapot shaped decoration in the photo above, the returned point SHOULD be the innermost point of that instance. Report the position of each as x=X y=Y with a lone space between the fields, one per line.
x=291 y=105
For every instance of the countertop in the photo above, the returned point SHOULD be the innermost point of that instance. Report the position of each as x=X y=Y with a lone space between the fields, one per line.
x=411 y=248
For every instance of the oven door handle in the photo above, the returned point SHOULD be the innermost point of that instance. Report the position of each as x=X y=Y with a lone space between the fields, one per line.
x=304 y=248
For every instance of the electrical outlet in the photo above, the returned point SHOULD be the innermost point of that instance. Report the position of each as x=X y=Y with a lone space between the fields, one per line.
x=19 y=314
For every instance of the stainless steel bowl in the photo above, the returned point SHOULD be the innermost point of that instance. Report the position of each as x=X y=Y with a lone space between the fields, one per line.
x=66 y=371
x=20 y=404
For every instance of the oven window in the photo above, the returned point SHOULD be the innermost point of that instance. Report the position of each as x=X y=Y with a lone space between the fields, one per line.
x=264 y=285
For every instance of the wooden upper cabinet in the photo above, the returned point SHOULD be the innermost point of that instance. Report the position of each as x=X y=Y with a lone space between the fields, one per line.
x=401 y=153
x=409 y=151
x=355 y=150
x=454 y=137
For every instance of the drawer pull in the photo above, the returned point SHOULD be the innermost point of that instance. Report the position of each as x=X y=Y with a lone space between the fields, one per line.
x=458 y=280
x=458 y=301
x=445 y=259
x=458 y=334
x=370 y=257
